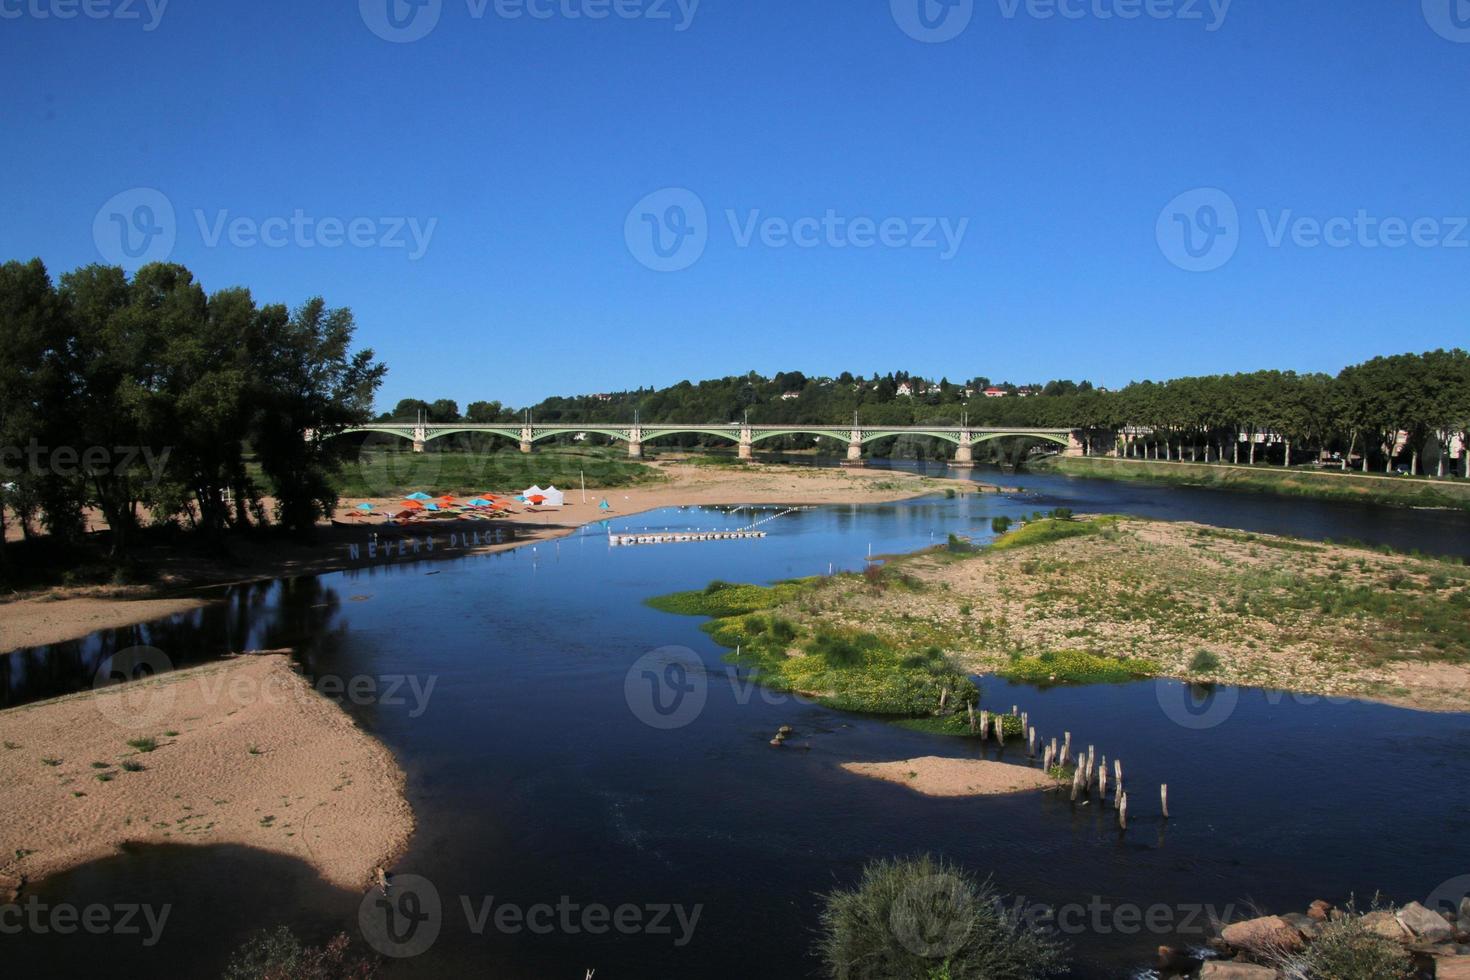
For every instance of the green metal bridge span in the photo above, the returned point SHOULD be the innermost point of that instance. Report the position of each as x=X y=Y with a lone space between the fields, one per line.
x=744 y=436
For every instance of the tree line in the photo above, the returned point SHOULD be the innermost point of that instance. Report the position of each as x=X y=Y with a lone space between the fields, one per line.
x=144 y=397
x=1394 y=410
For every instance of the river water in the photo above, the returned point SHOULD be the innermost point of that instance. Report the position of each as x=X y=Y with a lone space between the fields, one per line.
x=559 y=759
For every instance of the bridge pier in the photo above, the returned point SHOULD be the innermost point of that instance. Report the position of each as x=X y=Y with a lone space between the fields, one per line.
x=1075 y=446
x=747 y=445
x=964 y=457
x=635 y=450
x=420 y=438
x=854 y=454
x=526 y=438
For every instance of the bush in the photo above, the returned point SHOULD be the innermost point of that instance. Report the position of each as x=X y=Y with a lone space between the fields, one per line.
x=1077 y=667
x=279 y=955
x=919 y=918
x=1204 y=662
x=959 y=545
x=1346 y=950
x=1000 y=525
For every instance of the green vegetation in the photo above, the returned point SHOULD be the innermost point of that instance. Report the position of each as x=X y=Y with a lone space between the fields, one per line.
x=720 y=599
x=145 y=744
x=279 y=955
x=1204 y=662
x=1000 y=525
x=1047 y=530
x=924 y=919
x=1294 y=482
x=1077 y=667
x=1347 y=950
x=133 y=765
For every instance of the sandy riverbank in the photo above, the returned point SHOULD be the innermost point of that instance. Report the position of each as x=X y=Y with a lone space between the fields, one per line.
x=941 y=777
x=246 y=753
x=64 y=614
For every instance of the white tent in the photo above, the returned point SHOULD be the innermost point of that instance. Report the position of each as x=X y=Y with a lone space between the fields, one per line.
x=554 y=497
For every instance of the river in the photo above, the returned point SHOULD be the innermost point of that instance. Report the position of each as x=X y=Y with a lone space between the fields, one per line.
x=542 y=771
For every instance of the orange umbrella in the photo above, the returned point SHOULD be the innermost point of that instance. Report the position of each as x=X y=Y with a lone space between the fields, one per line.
x=412 y=505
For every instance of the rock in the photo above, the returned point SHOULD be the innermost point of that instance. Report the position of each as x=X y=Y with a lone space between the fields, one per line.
x=1465 y=907
x=1384 y=924
x=1425 y=924
x=1267 y=932
x=1217 y=970
x=1172 y=959
x=1319 y=910
x=10 y=886
x=1452 y=968
x=1309 y=927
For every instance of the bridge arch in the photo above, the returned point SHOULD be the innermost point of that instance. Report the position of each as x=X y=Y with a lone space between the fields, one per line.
x=1056 y=437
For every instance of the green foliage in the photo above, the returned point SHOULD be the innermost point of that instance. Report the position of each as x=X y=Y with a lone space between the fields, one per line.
x=279 y=955
x=1204 y=662
x=958 y=545
x=1347 y=950
x=1077 y=667
x=398 y=472
x=1000 y=525
x=922 y=918
x=721 y=599
x=1048 y=530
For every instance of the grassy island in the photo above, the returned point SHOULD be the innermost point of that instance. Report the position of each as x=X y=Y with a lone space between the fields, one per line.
x=1107 y=599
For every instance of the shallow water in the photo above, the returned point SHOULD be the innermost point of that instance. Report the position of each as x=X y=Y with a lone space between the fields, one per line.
x=536 y=776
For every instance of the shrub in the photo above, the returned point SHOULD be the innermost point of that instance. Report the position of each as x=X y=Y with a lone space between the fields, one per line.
x=1078 y=667
x=959 y=545
x=279 y=955
x=919 y=918
x=1204 y=662
x=1000 y=525
x=1346 y=950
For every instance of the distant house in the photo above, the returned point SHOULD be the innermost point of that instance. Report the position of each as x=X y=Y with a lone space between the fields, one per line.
x=787 y=396
x=906 y=389
x=996 y=392
x=1025 y=392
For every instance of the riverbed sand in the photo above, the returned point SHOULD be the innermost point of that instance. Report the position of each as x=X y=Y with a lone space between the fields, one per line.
x=65 y=614
x=936 y=776
x=244 y=752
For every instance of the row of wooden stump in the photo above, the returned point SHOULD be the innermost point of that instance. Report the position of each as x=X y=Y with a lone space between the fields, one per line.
x=1087 y=774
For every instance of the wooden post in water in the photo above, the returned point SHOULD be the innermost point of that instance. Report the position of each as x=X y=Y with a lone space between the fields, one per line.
x=1076 y=783
x=984 y=725
x=1025 y=720
x=1047 y=759
x=1123 y=811
x=1118 y=774
x=1000 y=729
x=1031 y=743
x=1102 y=781
x=1164 y=799
x=970 y=709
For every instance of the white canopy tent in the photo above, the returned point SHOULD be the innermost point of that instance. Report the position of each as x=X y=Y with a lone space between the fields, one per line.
x=553 y=497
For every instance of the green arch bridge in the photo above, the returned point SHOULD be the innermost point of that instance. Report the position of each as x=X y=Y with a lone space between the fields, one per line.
x=963 y=437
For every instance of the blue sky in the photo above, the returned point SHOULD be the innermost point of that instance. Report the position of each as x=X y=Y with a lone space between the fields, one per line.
x=531 y=152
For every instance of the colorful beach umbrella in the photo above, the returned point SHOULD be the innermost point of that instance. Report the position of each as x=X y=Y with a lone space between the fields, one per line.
x=481 y=502
x=420 y=496
x=364 y=506
x=413 y=505
x=431 y=506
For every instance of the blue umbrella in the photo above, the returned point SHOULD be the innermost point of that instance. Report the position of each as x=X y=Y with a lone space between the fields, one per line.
x=431 y=506
x=420 y=496
x=480 y=502
x=604 y=506
x=364 y=506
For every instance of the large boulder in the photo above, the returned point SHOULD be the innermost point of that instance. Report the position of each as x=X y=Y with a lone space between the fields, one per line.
x=1452 y=968
x=1217 y=970
x=1384 y=924
x=1426 y=925
x=1309 y=927
x=1269 y=932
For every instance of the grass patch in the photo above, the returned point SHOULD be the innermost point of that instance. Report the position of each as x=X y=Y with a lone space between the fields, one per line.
x=1077 y=667
x=146 y=744
x=1050 y=529
x=1204 y=662
x=132 y=765
x=395 y=473
x=721 y=599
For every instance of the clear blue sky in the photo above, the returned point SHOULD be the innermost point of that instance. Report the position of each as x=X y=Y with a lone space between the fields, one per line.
x=528 y=141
